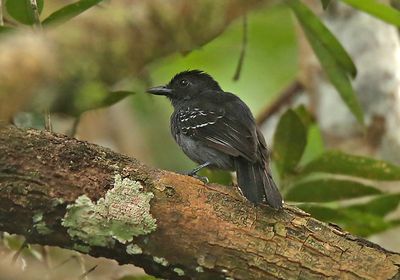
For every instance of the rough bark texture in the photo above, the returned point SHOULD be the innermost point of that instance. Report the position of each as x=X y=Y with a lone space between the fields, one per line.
x=54 y=190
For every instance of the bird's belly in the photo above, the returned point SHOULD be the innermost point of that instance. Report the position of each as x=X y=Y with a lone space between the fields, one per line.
x=201 y=153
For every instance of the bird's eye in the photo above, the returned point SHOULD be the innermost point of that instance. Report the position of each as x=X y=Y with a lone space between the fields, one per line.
x=183 y=83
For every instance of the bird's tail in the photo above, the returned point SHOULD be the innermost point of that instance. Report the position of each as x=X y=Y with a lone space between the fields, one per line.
x=256 y=182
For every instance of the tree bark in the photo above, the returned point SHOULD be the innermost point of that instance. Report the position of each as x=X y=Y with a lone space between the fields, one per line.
x=59 y=191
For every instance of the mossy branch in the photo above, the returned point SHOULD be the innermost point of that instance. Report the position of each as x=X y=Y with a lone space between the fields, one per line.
x=59 y=191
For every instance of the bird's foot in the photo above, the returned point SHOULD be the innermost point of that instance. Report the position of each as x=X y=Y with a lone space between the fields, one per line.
x=193 y=173
x=204 y=179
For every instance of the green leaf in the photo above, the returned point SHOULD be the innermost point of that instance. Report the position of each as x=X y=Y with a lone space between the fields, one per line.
x=356 y=222
x=323 y=213
x=5 y=29
x=315 y=145
x=338 y=78
x=336 y=162
x=70 y=11
x=313 y=25
x=94 y=95
x=376 y=9
x=332 y=56
x=380 y=206
x=363 y=224
x=289 y=142
x=26 y=120
x=304 y=115
x=395 y=222
x=114 y=97
x=325 y=3
x=21 y=10
x=325 y=190
x=13 y=242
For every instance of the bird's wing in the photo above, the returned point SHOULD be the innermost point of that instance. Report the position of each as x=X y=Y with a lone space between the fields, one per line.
x=228 y=129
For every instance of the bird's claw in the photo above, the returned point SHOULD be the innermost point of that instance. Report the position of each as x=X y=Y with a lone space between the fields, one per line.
x=204 y=179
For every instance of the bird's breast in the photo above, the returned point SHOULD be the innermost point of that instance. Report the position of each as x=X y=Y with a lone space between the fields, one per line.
x=200 y=153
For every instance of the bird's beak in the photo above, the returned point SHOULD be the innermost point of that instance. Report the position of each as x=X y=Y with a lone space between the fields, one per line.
x=160 y=90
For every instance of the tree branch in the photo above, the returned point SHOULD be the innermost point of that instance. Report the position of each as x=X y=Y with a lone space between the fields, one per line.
x=1 y=14
x=284 y=98
x=59 y=191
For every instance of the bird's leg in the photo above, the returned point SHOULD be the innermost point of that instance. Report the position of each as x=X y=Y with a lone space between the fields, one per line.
x=193 y=173
x=198 y=168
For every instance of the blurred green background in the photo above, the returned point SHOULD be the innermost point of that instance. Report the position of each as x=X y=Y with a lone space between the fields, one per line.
x=270 y=64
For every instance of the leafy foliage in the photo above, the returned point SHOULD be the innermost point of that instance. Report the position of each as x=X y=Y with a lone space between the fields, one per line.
x=376 y=9
x=70 y=11
x=325 y=190
x=313 y=25
x=357 y=222
x=379 y=206
x=362 y=219
x=286 y=152
x=316 y=182
x=5 y=29
x=325 y=3
x=335 y=162
x=332 y=56
x=94 y=96
x=22 y=11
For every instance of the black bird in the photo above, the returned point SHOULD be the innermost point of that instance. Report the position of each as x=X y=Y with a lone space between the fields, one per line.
x=216 y=129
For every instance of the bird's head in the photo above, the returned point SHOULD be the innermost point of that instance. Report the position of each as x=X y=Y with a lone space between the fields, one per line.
x=186 y=85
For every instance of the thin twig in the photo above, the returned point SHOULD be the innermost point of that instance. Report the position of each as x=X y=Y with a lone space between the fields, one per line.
x=36 y=18
x=18 y=253
x=1 y=13
x=65 y=261
x=38 y=25
x=284 y=98
x=84 y=275
x=242 y=51
x=47 y=262
x=395 y=4
x=45 y=255
x=81 y=263
x=74 y=127
x=47 y=120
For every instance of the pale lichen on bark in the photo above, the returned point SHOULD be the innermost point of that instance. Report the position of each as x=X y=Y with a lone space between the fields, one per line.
x=160 y=260
x=39 y=224
x=121 y=215
x=134 y=249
